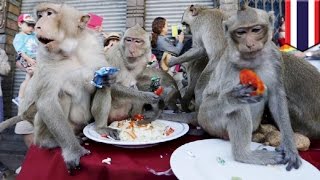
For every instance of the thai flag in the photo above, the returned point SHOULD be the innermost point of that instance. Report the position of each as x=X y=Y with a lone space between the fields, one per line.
x=302 y=23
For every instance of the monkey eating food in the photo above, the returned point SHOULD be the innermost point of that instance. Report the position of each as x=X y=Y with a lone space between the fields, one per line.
x=131 y=56
x=222 y=111
x=58 y=98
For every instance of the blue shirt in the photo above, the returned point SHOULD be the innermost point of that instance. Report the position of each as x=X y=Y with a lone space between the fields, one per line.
x=164 y=44
x=26 y=43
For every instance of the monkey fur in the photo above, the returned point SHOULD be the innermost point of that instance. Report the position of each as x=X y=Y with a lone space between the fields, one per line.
x=58 y=97
x=222 y=111
x=130 y=56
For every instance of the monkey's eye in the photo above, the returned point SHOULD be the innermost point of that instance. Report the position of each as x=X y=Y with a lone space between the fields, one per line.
x=240 y=32
x=39 y=15
x=256 y=29
x=49 y=13
x=128 y=39
x=138 y=41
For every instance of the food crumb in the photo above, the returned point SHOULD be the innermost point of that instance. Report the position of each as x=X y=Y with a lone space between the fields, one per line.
x=190 y=154
x=221 y=161
x=107 y=161
x=161 y=156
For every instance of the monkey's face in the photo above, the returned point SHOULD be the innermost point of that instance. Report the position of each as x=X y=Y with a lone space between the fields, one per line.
x=47 y=26
x=190 y=14
x=59 y=26
x=134 y=47
x=250 y=40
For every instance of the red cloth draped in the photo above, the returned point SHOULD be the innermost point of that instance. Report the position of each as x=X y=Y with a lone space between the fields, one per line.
x=44 y=164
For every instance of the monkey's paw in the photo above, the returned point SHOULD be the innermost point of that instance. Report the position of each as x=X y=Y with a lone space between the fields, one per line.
x=72 y=158
x=291 y=156
x=151 y=98
x=244 y=94
x=172 y=61
x=109 y=132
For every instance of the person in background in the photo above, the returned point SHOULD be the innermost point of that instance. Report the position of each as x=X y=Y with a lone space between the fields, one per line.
x=4 y=70
x=25 y=43
x=111 y=39
x=160 y=43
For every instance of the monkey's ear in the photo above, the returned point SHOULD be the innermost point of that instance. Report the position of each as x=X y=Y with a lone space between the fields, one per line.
x=271 y=18
x=194 y=10
x=83 y=21
x=225 y=27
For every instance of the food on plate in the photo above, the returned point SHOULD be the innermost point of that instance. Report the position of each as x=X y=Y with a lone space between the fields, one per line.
x=131 y=130
x=249 y=77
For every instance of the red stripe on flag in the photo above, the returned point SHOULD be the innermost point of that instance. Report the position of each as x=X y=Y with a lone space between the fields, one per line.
x=317 y=21
x=287 y=21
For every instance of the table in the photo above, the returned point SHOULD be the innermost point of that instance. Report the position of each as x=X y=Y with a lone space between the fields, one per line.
x=44 y=164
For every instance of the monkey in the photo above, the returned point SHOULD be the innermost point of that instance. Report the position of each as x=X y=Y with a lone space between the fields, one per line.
x=58 y=98
x=193 y=70
x=130 y=56
x=171 y=95
x=229 y=108
x=301 y=79
x=205 y=44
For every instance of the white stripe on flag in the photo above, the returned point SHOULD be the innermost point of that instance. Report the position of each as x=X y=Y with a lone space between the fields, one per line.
x=311 y=25
x=293 y=22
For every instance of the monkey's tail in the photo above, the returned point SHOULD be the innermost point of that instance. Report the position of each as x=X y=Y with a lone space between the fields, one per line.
x=9 y=122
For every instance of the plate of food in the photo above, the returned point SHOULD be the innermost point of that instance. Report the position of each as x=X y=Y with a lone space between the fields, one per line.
x=212 y=159
x=135 y=135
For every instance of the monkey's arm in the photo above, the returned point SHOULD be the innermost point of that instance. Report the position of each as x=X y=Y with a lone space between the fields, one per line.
x=189 y=118
x=279 y=110
x=125 y=91
x=192 y=54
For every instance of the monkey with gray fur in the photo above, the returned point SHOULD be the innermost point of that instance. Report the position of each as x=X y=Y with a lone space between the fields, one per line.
x=206 y=44
x=58 y=98
x=130 y=56
x=301 y=79
x=193 y=70
x=171 y=95
x=223 y=112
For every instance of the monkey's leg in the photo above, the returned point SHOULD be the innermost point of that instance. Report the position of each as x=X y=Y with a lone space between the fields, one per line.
x=240 y=133
x=100 y=110
x=191 y=54
x=57 y=123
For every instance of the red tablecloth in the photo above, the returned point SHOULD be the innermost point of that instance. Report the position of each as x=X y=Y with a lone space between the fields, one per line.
x=43 y=164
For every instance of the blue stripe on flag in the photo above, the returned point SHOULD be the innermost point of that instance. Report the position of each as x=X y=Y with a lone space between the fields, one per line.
x=302 y=25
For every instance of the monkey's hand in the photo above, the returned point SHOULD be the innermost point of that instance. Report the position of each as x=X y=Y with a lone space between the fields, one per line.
x=291 y=156
x=150 y=97
x=172 y=61
x=72 y=158
x=109 y=132
x=244 y=94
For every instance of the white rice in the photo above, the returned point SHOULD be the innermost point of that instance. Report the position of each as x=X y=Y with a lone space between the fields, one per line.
x=143 y=133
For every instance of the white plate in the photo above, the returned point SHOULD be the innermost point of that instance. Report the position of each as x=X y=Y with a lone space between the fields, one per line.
x=180 y=129
x=199 y=160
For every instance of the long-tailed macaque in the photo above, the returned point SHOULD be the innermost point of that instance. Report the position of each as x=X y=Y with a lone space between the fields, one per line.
x=130 y=56
x=58 y=98
x=230 y=109
x=205 y=44
x=301 y=79
x=171 y=94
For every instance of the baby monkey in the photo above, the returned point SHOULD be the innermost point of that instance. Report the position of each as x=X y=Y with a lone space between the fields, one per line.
x=234 y=110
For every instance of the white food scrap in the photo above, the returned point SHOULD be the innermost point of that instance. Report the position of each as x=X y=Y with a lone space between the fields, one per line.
x=107 y=161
